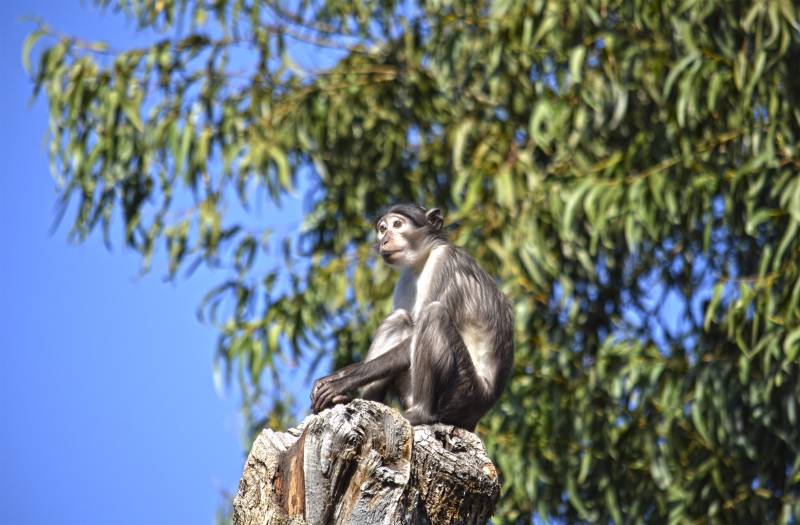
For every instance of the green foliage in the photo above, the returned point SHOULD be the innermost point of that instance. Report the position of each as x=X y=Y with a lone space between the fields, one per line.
x=628 y=169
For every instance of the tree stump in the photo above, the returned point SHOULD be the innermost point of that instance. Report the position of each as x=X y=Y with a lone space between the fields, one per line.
x=363 y=463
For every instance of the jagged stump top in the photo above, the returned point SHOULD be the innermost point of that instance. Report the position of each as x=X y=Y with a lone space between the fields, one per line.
x=363 y=463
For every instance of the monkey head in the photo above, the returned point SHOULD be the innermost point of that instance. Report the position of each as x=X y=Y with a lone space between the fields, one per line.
x=406 y=233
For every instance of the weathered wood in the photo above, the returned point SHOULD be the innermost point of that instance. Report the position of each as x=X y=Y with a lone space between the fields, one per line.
x=362 y=463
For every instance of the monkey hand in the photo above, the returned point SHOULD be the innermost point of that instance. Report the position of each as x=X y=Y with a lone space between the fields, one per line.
x=328 y=391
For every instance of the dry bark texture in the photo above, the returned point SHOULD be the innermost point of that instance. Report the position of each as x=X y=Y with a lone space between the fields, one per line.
x=364 y=464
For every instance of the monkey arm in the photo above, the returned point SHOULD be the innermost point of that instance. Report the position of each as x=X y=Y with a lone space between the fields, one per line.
x=327 y=389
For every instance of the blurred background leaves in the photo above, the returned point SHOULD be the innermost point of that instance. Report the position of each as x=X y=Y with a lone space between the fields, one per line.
x=627 y=169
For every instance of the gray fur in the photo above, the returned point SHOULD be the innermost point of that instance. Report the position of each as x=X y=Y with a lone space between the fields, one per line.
x=447 y=349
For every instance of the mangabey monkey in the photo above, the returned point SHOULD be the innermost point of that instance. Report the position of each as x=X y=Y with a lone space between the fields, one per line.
x=447 y=349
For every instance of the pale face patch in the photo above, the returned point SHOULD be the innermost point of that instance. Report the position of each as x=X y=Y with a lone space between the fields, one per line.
x=392 y=222
x=392 y=244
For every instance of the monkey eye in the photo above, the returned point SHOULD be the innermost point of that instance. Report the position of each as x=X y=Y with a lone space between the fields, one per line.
x=382 y=228
x=397 y=223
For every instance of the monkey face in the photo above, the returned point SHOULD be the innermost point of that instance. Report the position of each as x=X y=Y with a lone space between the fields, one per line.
x=396 y=240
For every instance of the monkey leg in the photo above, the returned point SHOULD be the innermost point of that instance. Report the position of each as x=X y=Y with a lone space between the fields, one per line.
x=335 y=388
x=445 y=386
x=386 y=359
x=377 y=390
x=392 y=331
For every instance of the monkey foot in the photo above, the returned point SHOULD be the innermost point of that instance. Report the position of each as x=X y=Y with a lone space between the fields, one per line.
x=417 y=416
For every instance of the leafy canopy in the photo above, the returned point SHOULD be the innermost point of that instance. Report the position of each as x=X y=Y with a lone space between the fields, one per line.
x=627 y=168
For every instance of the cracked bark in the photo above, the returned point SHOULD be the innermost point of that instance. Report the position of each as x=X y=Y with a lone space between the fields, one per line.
x=363 y=463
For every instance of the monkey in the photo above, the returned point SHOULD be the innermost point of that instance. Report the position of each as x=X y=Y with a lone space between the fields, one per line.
x=447 y=348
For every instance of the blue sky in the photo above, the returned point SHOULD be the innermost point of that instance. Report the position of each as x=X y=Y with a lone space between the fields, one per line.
x=109 y=413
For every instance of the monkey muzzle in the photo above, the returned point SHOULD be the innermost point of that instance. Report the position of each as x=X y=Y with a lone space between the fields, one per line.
x=388 y=255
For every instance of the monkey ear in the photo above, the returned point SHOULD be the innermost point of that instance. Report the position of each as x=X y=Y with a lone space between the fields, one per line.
x=434 y=218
